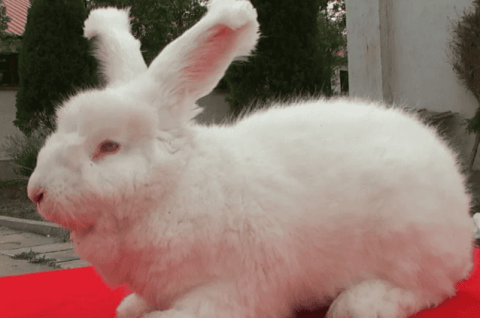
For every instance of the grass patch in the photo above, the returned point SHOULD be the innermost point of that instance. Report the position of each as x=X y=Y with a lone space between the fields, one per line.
x=25 y=255
x=32 y=257
x=14 y=201
x=45 y=261
x=19 y=182
x=24 y=150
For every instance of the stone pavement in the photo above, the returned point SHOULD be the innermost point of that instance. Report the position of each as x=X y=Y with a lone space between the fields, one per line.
x=51 y=249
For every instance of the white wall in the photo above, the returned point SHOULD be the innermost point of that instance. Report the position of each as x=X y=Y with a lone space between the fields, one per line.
x=422 y=73
x=364 y=48
x=398 y=53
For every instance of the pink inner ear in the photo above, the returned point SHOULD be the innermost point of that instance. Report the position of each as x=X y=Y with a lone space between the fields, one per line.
x=210 y=53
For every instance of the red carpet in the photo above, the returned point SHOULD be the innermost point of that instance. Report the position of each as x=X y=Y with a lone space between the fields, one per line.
x=81 y=293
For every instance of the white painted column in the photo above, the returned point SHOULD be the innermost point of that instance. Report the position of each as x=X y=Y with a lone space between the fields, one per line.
x=369 y=58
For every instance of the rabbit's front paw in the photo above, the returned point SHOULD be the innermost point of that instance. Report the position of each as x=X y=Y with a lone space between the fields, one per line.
x=133 y=306
x=167 y=314
x=375 y=298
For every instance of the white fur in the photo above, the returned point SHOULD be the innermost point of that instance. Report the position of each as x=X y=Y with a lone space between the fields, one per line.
x=295 y=206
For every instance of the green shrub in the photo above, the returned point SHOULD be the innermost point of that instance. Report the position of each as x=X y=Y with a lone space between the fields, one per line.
x=55 y=62
x=464 y=55
x=295 y=55
x=24 y=150
x=157 y=23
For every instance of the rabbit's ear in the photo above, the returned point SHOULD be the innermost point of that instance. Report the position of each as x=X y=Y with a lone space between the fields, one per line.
x=192 y=65
x=118 y=51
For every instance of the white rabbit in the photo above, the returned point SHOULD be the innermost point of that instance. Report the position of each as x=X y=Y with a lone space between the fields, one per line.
x=337 y=200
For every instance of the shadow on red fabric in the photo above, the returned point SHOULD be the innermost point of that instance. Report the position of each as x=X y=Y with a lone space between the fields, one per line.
x=76 y=293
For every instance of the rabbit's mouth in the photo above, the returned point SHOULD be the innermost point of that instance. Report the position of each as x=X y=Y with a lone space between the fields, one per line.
x=80 y=227
x=70 y=222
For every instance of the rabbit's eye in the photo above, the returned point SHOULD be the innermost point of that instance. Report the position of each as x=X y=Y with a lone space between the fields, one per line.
x=109 y=146
x=105 y=148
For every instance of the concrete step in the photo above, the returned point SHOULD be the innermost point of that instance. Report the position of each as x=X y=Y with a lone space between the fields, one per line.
x=73 y=264
x=24 y=239
x=13 y=242
x=48 y=248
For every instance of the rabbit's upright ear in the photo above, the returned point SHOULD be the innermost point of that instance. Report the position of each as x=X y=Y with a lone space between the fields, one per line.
x=117 y=50
x=192 y=65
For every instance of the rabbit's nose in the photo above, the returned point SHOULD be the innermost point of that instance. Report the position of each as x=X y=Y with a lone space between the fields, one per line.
x=36 y=196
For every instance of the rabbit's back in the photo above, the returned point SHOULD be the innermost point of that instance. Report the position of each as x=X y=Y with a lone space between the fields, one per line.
x=350 y=149
x=348 y=180
x=361 y=154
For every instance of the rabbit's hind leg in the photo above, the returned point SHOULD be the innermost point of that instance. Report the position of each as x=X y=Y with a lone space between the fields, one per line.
x=377 y=299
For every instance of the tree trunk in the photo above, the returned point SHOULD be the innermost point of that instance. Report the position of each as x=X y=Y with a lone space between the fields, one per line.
x=474 y=150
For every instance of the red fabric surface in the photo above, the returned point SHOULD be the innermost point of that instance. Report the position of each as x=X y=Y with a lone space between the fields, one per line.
x=82 y=293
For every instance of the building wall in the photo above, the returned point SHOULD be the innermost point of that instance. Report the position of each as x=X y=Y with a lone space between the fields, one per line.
x=398 y=53
x=337 y=81
x=7 y=116
x=215 y=108
x=419 y=45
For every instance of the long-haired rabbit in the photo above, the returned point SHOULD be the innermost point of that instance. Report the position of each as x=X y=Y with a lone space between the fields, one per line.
x=300 y=205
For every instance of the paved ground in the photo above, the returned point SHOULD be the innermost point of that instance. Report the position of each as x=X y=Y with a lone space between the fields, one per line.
x=13 y=242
